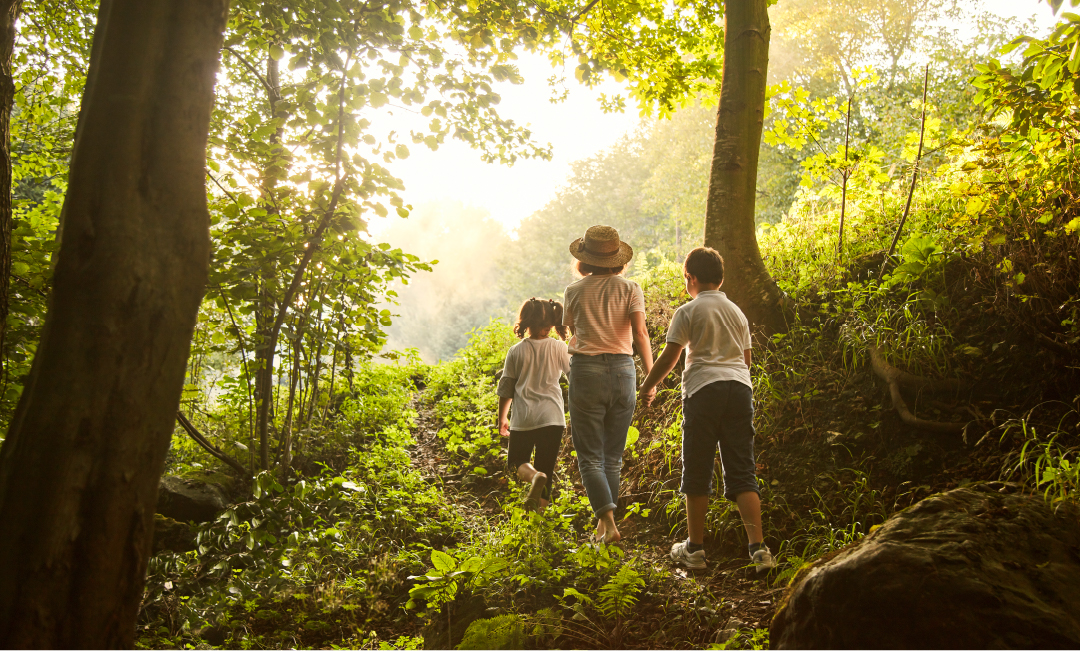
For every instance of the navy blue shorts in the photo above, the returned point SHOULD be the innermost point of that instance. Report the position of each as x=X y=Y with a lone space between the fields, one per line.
x=719 y=414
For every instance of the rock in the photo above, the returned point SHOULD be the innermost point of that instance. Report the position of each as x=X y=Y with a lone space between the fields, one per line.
x=730 y=630
x=172 y=535
x=188 y=500
x=970 y=568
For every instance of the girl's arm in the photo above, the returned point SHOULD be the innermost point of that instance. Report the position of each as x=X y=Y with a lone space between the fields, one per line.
x=667 y=361
x=504 y=411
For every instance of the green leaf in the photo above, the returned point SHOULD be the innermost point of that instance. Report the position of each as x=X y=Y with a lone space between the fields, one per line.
x=442 y=561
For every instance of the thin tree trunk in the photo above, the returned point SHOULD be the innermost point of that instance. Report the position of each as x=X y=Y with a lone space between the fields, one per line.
x=310 y=247
x=347 y=369
x=846 y=174
x=9 y=15
x=729 y=216
x=266 y=312
x=264 y=372
x=313 y=397
x=330 y=391
x=80 y=467
x=914 y=177
x=287 y=426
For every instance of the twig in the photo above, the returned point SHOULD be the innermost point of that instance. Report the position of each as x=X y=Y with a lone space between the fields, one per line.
x=251 y=68
x=914 y=176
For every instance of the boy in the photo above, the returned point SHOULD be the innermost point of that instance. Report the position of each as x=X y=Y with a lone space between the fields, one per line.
x=718 y=406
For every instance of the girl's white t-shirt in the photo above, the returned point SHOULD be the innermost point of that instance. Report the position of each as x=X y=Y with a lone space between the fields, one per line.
x=531 y=377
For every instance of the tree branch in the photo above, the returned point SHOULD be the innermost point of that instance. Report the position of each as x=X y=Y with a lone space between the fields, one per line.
x=253 y=70
x=197 y=436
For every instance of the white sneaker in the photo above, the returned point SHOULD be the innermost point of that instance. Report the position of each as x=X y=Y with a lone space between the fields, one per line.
x=680 y=553
x=763 y=559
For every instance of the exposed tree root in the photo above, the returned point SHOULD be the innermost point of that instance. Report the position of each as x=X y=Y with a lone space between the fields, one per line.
x=896 y=378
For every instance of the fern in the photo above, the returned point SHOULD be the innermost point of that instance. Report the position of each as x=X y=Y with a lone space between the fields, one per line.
x=620 y=594
x=502 y=632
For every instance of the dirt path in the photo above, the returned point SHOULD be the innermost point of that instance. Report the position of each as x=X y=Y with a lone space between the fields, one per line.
x=742 y=597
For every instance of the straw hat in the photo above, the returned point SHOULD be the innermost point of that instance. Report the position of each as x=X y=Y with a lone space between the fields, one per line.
x=601 y=248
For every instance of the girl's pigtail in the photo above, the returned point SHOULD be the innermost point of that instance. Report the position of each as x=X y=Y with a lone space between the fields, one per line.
x=557 y=320
x=526 y=317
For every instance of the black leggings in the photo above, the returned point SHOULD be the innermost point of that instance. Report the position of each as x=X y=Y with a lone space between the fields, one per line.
x=546 y=440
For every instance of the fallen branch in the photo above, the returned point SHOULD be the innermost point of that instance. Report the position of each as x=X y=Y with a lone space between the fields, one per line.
x=197 y=436
x=1054 y=346
x=894 y=377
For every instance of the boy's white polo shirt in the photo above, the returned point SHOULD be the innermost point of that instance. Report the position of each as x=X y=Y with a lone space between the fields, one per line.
x=715 y=333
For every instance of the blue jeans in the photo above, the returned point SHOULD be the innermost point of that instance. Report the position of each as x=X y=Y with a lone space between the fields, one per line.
x=603 y=393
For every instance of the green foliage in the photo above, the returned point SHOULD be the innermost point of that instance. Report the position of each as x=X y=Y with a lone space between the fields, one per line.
x=314 y=560
x=501 y=632
x=618 y=596
x=754 y=638
x=463 y=392
x=1043 y=462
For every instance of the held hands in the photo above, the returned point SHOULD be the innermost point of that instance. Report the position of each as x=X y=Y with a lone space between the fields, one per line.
x=646 y=396
x=504 y=427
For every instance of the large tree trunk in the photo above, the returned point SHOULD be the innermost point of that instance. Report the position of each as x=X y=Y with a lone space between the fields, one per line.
x=79 y=469
x=729 y=216
x=9 y=14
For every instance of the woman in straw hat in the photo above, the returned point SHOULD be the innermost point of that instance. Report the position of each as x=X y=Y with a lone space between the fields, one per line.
x=606 y=316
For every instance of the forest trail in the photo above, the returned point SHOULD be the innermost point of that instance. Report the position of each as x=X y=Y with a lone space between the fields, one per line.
x=729 y=589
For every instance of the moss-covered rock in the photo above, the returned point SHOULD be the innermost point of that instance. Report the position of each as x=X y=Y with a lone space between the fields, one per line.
x=189 y=500
x=970 y=568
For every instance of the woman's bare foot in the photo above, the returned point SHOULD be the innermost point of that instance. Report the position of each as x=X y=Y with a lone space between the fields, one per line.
x=606 y=531
x=609 y=537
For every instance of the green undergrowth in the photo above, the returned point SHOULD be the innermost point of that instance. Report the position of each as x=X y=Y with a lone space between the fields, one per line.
x=320 y=560
x=359 y=549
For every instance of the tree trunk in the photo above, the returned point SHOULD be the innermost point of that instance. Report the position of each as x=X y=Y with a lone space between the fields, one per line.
x=9 y=14
x=729 y=216
x=287 y=427
x=80 y=467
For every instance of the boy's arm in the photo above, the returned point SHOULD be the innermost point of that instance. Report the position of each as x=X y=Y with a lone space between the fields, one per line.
x=667 y=361
x=504 y=411
x=641 y=339
x=746 y=357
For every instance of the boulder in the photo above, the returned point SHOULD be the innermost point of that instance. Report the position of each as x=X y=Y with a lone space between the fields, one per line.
x=971 y=568
x=189 y=500
x=172 y=535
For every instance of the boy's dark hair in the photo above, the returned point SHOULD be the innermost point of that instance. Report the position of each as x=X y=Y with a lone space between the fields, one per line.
x=705 y=264
x=538 y=313
x=584 y=269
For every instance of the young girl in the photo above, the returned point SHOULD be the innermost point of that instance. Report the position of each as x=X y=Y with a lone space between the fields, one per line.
x=530 y=380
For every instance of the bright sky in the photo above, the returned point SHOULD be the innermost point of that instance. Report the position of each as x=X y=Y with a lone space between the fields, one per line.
x=576 y=128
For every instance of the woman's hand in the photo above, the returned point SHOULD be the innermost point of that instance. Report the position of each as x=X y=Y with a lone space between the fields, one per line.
x=646 y=396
